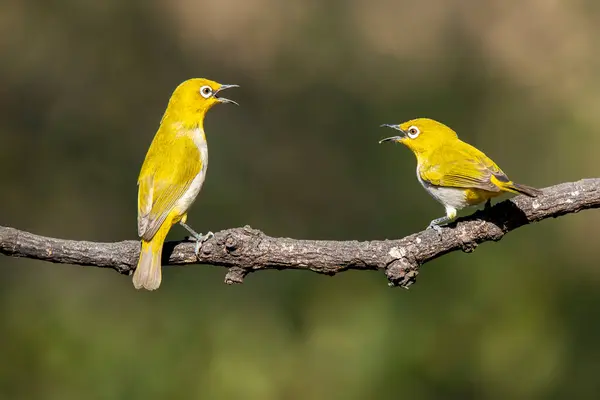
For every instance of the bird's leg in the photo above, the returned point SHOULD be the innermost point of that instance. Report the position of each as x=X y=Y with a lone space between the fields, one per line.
x=200 y=238
x=436 y=223
x=488 y=205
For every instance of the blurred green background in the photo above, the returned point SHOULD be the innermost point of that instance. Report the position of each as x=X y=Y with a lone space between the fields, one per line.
x=83 y=85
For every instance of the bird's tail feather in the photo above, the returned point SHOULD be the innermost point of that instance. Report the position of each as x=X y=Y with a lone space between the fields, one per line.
x=148 y=274
x=517 y=188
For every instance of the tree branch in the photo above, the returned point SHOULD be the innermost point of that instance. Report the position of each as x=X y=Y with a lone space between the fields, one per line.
x=245 y=250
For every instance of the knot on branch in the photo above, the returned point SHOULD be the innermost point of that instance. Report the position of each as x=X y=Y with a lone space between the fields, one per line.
x=235 y=276
x=399 y=271
x=467 y=242
x=237 y=239
x=207 y=247
x=231 y=243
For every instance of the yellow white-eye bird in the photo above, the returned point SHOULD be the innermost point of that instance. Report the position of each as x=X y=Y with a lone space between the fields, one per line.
x=173 y=173
x=455 y=173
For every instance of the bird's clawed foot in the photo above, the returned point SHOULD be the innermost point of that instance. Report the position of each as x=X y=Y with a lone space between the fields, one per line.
x=200 y=239
x=435 y=224
x=436 y=228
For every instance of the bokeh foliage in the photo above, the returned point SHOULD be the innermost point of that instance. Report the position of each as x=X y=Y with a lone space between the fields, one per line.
x=83 y=85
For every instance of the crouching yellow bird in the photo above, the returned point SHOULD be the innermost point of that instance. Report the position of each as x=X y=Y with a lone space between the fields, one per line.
x=173 y=173
x=455 y=173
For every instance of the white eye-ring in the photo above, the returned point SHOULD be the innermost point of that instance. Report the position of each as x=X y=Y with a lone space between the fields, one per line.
x=413 y=132
x=206 y=91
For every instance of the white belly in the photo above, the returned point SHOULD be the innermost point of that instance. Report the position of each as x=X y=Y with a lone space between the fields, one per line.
x=184 y=203
x=449 y=197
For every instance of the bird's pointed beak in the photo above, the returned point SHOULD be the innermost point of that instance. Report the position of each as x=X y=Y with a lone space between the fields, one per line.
x=223 y=99
x=393 y=138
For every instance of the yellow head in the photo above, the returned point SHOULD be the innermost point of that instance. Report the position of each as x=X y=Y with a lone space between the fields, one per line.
x=192 y=99
x=421 y=135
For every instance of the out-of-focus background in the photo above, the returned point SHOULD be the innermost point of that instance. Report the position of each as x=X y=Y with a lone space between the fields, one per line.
x=83 y=85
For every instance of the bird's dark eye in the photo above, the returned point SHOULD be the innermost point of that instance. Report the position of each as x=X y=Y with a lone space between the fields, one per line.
x=206 y=91
x=413 y=132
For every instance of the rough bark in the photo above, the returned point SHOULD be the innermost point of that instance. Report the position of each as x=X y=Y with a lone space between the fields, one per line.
x=245 y=250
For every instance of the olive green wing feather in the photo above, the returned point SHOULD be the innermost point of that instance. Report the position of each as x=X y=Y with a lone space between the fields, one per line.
x=462 y=166
x=166 y=175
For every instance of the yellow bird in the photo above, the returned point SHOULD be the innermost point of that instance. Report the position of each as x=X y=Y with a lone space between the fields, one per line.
x=173 y=173
x=455 y=173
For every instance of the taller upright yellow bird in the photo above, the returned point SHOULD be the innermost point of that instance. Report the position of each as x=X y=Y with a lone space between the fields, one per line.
x=455 y=173
x=173 y=173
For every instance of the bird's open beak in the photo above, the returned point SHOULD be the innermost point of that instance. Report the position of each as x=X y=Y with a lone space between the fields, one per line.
x=223 y=99
x=393 y=138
